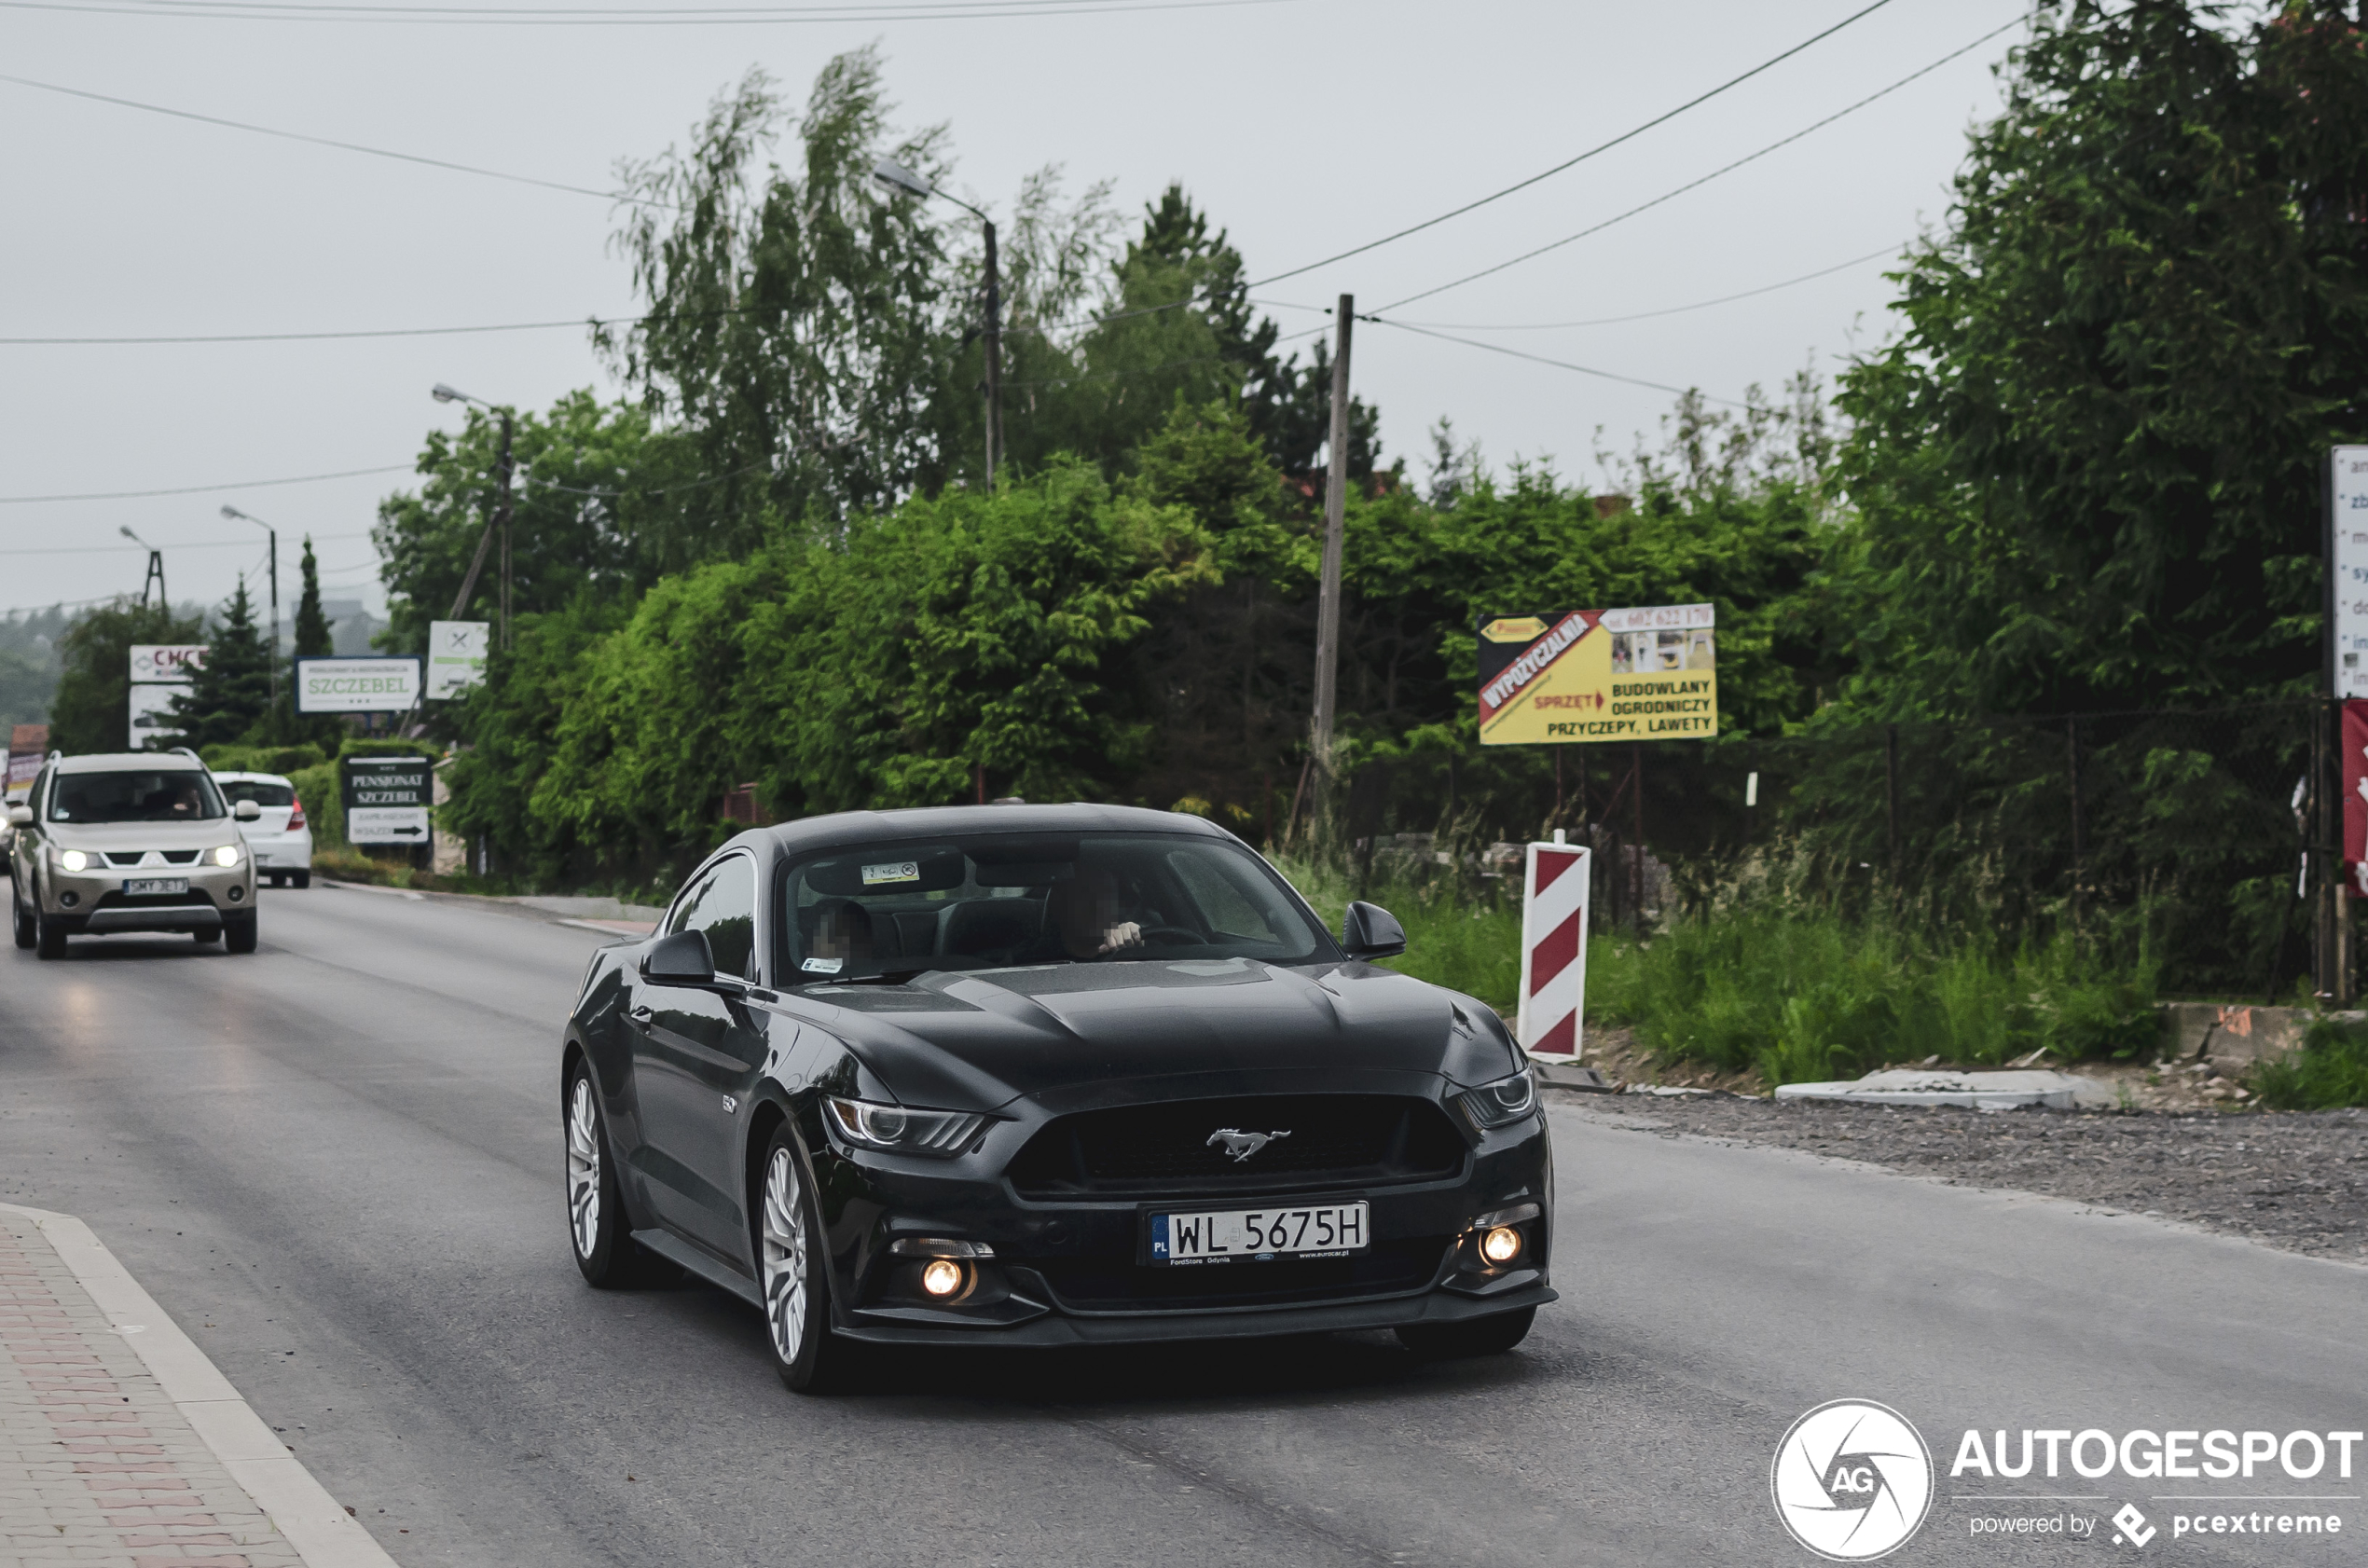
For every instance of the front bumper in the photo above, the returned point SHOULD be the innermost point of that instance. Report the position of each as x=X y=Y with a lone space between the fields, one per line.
x=1075 y=1271
x=99 y=905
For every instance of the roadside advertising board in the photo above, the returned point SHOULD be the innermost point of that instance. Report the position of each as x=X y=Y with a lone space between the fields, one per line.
x=172 y=663
x=1644 y=673
x=160 y=672
x=28 y=744
x=2348 y=572
x=386 y=799
x=365 y=685
x=455 y=656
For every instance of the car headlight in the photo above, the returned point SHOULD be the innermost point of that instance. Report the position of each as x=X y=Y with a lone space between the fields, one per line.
x=1502 y=1103
x=226 y=856
x=902 y=1130
x=73 y=860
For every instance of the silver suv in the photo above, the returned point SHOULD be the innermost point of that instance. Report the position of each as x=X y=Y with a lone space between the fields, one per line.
x=137 y=841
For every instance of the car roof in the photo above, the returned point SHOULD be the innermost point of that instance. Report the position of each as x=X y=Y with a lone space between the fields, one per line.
x=252 y=777
x=848 y=829
x=124 y=761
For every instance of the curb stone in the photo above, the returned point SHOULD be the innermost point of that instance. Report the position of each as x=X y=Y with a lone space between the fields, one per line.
x=321 y=1532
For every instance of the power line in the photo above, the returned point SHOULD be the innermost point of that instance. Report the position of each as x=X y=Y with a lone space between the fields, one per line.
x=320 y=336
x=193 y=544
x=1670 y=310
x=207 y=489
x=327 y=142
x=1572 y=162
x=1558 y=363
x=1728 y=168
x=921 y=10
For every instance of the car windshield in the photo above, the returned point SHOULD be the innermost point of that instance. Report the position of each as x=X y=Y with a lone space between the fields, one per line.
x=137 y=795
x=1000 y=901
x=236 y=790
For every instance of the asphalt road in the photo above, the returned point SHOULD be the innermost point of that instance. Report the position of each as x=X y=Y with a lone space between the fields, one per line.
x=337 y=1163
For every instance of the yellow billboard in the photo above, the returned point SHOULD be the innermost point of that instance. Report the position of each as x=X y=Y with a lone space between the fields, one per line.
x=1644 y=673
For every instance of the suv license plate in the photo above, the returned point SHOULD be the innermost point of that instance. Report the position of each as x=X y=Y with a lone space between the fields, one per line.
x=1260 y=1235
x=145 y=887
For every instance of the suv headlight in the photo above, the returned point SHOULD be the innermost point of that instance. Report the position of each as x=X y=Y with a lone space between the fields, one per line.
x=226 y=856
x=901 y=1129
x=72 y=860
x=1502 y=1103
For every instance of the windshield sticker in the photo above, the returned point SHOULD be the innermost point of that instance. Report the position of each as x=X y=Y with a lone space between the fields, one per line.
x=895 y=870
x=823 y=965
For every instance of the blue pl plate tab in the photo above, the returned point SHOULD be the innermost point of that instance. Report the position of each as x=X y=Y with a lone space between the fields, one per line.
x=1159 y=1235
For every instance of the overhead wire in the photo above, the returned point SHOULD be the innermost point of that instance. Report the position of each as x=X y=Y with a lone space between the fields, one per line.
x=208 y=490
x=1558 y=363
x=1669 y=310
x=1627 y=135
x=1693 y=185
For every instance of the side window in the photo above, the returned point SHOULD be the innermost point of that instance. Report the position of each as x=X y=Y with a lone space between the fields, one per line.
x=680 y=917
x=725 y=910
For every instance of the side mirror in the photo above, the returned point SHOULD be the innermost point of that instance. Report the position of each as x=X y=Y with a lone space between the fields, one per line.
x=1369 y=931
x=21 y=816
x=680 y=959
x=247 y=811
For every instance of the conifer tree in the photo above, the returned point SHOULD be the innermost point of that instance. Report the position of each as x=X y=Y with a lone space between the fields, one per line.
x=230 y=693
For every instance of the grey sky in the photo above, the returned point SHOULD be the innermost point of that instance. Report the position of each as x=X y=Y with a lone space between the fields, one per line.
x=1303 y=127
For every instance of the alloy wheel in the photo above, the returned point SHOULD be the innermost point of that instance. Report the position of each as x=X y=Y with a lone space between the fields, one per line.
x=584 y=1167
x=784 y=1256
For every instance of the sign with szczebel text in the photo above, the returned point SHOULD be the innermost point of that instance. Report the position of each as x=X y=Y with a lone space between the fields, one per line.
x=1648 y=672
x=386 y=799
x=367 y=685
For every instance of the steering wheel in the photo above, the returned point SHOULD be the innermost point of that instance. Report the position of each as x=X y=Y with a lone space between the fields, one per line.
x=1148 y=932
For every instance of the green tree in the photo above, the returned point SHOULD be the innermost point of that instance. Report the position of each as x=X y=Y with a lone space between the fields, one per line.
x=29 y=664
x=314 y=639
x=2088 y=469
x=91 y=711
x=229 y=695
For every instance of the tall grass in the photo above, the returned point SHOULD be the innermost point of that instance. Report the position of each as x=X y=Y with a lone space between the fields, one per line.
x=2330 y=1071
x=1799 y=994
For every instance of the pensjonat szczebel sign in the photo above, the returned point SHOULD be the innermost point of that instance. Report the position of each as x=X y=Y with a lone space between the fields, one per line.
x=1644 y=673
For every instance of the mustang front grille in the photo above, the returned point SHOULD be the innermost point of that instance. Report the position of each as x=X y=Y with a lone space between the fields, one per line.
x=1255 y=1143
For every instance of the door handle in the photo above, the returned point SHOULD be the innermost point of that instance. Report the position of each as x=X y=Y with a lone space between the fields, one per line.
x=641 y=1014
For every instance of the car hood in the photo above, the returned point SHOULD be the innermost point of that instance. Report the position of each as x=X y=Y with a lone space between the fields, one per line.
x=1073 y=1035
x=142 y=836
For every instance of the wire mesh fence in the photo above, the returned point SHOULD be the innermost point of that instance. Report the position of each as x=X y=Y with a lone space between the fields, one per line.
x=2177 y=834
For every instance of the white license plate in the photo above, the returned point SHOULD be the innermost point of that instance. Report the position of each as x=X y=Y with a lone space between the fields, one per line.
x=1260 y=1235
x=140 y=886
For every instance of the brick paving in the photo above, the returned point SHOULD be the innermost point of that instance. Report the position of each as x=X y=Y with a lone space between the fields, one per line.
x=98 y=1467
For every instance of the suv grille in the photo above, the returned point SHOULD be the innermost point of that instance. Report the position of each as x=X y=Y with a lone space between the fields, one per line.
x=133 y=856
x=1346 y=1140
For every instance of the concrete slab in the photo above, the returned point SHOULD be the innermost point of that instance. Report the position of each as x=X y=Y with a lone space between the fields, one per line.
x=1999 y=1090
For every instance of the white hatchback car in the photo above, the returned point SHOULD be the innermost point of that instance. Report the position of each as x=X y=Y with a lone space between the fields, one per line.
x=280 y=839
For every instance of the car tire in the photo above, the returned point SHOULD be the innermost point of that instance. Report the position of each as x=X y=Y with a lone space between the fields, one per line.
x=50 y=938
x=599 y=1231
x=302 y=879
x=239 y=932
x=22 y=919
x=792 y=1275
x=1481 y=1336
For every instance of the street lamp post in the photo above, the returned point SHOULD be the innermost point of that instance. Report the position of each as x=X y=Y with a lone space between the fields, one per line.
x=233 y=513
x=895 y=176
x=500 y=521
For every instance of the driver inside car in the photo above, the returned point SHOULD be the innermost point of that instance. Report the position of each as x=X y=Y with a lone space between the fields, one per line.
x=1089 y=914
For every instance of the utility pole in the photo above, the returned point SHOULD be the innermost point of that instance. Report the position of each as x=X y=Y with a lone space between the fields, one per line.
x=994 y=358
x=1327 y=611
x=498 y=524
x=155 y=570
x=503 y=518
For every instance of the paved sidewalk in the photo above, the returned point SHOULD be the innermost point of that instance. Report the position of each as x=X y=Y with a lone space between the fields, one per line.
x=120 y=1445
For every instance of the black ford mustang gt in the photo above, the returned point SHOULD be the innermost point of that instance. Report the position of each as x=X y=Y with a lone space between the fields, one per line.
x=1046 y=1076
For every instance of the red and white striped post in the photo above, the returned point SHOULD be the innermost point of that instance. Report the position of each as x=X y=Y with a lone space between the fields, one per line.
x=1554 y=884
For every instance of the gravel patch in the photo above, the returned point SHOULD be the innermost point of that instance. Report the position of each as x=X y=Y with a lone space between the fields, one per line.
x=2295 y=1180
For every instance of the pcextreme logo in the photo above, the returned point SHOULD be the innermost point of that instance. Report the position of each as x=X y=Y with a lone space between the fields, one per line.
x=1852 y=1481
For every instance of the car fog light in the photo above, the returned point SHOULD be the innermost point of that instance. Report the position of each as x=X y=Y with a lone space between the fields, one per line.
x=238 y=895
x=226 y=856
x=69 y=898
x=942 y=1276
x=1501 y=1245
x=74 y=859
